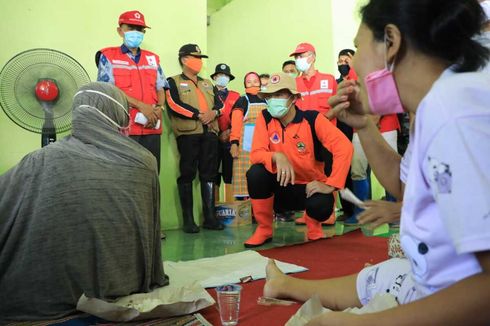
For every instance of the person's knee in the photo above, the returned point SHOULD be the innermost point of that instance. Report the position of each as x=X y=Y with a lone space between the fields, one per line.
x=186 y=179
x=320 y=206
x=258 y=182
x=187 y=173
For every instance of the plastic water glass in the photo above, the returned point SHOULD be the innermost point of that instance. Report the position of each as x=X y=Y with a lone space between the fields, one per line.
x=229 y=303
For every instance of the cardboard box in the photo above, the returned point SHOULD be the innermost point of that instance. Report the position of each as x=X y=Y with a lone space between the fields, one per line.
x=234 y=213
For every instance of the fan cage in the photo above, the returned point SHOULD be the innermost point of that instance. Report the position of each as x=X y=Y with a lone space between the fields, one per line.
x=18 y=80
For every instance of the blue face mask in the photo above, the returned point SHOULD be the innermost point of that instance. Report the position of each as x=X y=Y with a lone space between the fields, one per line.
x=278 y=107
x=133 y=39
x=222 y=81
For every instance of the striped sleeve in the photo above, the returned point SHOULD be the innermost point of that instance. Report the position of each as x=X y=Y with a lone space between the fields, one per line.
x=176 y=106
x=236 y=126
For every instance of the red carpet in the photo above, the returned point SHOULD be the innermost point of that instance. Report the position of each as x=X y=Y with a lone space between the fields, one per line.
x=326 y=258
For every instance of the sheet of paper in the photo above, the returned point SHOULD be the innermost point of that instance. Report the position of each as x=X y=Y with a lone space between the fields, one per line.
x=216 y=271
x=168 y=301
x=248 y=134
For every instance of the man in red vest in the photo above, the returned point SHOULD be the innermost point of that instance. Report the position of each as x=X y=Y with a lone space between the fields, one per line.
x=138 y=74
x=315 y=89
x=221 y=77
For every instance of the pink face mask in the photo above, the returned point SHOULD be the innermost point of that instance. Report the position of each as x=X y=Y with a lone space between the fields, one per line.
x=382 y=91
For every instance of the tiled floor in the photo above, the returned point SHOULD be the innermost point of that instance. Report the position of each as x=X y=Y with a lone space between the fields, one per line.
x=182 y=246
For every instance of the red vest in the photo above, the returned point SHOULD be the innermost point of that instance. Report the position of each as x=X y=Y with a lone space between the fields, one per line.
x=224 y=121
x=315 y=97
x=389 y=123
x=136 y=80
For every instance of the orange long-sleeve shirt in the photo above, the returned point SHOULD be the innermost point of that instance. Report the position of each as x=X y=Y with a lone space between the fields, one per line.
x=296 y=142
x=236 y=126
x=237 y=114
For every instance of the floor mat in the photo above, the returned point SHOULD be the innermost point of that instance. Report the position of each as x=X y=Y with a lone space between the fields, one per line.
x=327 y=258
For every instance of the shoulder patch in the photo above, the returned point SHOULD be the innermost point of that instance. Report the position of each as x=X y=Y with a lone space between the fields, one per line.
x=275 y=139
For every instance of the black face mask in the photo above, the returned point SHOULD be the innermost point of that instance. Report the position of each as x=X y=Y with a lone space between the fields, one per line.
x=344 y=69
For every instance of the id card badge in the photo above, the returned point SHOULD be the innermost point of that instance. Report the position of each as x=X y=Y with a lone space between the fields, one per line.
x=248 y=134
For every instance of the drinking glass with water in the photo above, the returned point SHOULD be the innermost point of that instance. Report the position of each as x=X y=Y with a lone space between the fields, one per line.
x=229 y=303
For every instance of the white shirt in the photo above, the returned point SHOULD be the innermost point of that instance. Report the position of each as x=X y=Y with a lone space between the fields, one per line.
x=446 y=211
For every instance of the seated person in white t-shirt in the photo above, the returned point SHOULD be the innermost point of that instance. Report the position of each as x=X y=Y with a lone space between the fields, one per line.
x=432 y=69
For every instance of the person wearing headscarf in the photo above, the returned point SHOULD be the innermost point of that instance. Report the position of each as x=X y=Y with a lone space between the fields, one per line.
x=80 y=216
x=243 y=117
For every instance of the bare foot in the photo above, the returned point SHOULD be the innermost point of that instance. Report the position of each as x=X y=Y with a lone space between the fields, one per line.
x=275 y=280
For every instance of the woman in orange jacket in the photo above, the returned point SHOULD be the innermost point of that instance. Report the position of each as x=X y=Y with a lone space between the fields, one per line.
x=243 y=118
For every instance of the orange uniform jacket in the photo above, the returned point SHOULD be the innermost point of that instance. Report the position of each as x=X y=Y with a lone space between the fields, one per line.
x=137 y=80
x=316 y=92
x=296 y=142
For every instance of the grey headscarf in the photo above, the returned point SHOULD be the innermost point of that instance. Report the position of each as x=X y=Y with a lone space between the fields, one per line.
x=81 y=215
x=94 y=127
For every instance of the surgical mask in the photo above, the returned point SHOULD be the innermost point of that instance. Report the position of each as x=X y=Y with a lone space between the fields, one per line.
x=222 y=81
x=122 y=130
x=292 y=74
x=278 y=107
x=133 y=39
x=194 y=64
x=486 y=8
x=254 y=90
x=344 y=69
x=263 y=88
x=302 y=64
x=382 y=92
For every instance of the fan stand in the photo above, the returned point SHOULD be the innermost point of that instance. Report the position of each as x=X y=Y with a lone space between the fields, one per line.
x=47 y=93
x=48 y=134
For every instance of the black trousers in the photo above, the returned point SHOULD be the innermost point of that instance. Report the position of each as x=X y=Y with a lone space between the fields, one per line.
x=198 y=152
x=151 y=143
x=226 y=162
x=347 y=207
x=262 y=184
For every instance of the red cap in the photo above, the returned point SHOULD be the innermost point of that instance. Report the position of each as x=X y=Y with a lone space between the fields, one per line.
x=133 y=17
x=302 y=48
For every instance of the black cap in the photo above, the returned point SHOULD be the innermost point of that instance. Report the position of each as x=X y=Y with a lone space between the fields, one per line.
x=191 y=49
x=223 y=68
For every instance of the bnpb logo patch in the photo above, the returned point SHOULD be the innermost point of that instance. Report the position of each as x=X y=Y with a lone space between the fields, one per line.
x=275 y=79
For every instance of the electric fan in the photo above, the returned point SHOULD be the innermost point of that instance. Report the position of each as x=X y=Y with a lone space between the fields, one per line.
x=37 y=88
